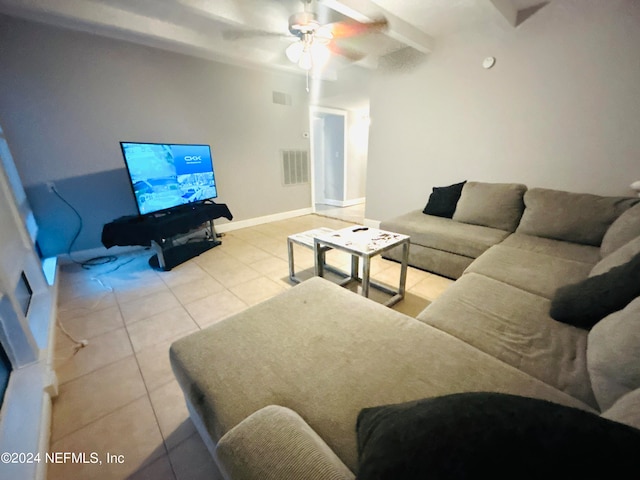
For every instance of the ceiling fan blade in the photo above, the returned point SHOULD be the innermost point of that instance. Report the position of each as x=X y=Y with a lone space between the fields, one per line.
x=242 y=34
x=353 y=28
x=347 y=53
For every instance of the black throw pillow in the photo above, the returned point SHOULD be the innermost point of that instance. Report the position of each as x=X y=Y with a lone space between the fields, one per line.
x=491 y=435
x=585 y=303
x=443 y=200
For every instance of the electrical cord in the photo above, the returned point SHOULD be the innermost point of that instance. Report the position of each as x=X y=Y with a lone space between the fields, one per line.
x=92 y=262
x=87 y=264
x=79 y=344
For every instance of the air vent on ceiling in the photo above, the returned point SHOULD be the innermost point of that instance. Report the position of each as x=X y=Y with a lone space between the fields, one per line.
x=281 y=98
x=295 y=167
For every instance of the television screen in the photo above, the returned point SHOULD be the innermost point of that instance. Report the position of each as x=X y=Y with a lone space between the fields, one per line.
x=165 y=175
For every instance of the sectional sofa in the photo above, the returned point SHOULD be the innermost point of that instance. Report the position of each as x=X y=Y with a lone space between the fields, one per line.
x=288 y=388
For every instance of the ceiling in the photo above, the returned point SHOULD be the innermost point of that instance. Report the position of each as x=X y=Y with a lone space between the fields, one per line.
x=202 y=27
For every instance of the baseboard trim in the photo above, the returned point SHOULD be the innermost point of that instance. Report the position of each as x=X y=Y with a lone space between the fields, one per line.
x=354 y=201
x=252 y=222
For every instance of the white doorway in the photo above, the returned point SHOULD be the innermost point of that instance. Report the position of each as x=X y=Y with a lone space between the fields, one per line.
x=328 y=156
x=339 y=150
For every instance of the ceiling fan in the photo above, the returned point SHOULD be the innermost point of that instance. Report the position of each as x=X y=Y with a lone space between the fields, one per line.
x=314 y=42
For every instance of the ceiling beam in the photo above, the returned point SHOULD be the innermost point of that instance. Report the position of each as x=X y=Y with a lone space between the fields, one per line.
x=506 y=11
x=366 y=10
x=97 y=18
x=225 y=11
x=269 y=16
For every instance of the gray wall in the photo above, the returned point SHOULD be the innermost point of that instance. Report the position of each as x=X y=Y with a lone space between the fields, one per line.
x=560 y=109
x=68 y=98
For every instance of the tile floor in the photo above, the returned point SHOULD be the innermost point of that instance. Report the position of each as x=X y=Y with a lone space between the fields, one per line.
x=354 y=213
x=118 y=394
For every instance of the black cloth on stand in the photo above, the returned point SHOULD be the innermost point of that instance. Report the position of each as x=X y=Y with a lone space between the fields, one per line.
x=140 y=230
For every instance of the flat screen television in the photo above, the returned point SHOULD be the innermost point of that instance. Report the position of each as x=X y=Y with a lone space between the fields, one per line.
x=167 y=175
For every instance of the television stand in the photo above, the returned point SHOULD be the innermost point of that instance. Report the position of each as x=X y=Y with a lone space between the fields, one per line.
x=162 y=231
x=169 y=254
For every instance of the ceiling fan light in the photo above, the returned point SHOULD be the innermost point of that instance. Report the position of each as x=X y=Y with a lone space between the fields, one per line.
x=319 y=54
x=323 y=33
x=306 y=60
x=294 y=52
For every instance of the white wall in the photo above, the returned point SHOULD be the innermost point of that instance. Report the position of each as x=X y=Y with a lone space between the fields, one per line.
x=68 y=98
x=560 y=108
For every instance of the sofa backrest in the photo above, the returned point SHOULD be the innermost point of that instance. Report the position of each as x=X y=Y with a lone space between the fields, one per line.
x=624 y=229
x=613 y=350
x=573 y=217
x=618 y=257
x=613 y=353
x=495 y=205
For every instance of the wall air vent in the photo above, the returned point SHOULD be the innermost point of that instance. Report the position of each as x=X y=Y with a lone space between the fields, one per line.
x=295 y=167
x=281 y=98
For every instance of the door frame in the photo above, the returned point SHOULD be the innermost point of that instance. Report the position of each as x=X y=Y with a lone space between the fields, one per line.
x=313 y=111
x=316 y=166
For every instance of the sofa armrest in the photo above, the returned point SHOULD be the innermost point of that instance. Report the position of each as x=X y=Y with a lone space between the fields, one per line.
x=275 y=443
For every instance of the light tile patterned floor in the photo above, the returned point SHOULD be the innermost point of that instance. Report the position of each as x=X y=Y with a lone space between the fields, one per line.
x=118 y=394
x=354 y=213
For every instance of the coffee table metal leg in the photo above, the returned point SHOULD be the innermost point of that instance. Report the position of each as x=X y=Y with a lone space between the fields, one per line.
x=292 y=273
x=355 y=265
x=366 y=270
x=403 y=269
x=319 y=253
x=399 y=295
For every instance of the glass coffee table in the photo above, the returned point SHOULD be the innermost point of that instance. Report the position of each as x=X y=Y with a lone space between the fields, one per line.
x=363 y=243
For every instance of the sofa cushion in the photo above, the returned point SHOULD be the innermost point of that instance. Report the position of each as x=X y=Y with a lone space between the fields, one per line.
x=530 y=271
x=443 y=200
x=327 y=353
x=445 y=264
x=491 y=435
x=613 y=355
x=626 y=409
x=619 y=257
x=495 y=205
x=584 y=303
x=622 y=230
x=555 y=248
x=514 y=326
x=573 y=217
x=444 y=234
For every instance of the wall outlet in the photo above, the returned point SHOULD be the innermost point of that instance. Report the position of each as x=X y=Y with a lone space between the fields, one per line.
x=51 y=186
